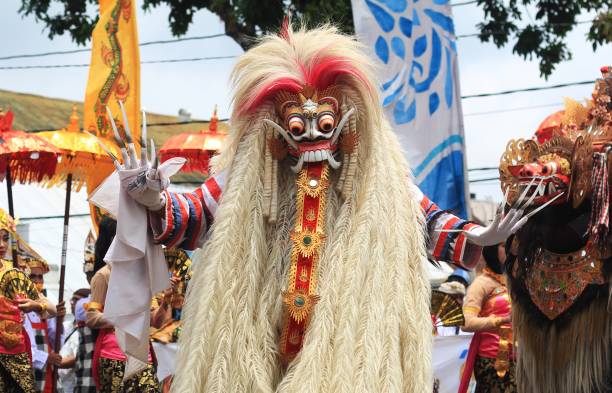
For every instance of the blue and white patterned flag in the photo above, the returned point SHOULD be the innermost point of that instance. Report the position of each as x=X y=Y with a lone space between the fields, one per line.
x=414 y=41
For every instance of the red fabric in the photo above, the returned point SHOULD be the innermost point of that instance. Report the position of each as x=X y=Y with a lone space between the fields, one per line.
x=499 y=306
x=443 y=235
x=169 y=219
x=96 y=357
x=28 y=344
x=294 y=328
x=10 y=312
x=49 y=383
x=199 y=216
x=460 y=245
x=214 y=189
x=184 y=212
x=468 y=368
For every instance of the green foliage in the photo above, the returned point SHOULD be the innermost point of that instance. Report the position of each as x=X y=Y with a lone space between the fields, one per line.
x=541 y=36
x=74 y=19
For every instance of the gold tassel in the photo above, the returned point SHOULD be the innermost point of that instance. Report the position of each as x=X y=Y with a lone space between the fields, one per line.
x=347 y=187
x=268 y=164
x=345 y=155
x=274 y=198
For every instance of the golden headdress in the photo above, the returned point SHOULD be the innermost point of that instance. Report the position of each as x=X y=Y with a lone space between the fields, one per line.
x=7 y=222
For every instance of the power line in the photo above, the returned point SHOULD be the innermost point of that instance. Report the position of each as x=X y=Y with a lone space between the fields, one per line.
x=205 y=37
x=179 y=123
x=162 y=124
x=483 y=180
x=464 y=3
x=52 y=217
x=498 y=32
x=147 y=43
x=483 y=168
x=520 y=108
x=528 y=89
x=49 y=66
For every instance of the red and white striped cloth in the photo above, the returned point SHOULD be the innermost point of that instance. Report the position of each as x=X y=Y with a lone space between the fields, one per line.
x=189 y=215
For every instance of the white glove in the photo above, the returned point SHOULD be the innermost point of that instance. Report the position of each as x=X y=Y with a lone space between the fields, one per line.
x=141 y=186
x=499 y=230
x=505 y=225
x=142 y=179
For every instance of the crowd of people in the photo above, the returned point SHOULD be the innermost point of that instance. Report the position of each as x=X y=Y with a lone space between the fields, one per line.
x=88 y=359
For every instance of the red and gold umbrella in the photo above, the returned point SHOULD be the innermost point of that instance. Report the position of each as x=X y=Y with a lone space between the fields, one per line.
x=197 y=148
x=546 y=128
x=81 y=161
x=81 y=157
x=26 y=157
x=23 y=157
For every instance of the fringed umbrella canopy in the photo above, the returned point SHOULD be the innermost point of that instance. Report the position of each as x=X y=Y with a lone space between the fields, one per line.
x=196 y=147
x=29 y=157
x=80 y=155
x=545 y=129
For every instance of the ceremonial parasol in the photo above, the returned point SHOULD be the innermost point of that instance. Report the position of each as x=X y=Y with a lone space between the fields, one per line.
x=23 y=157
x=545 y=129
x=81 y=161
x=196 y=147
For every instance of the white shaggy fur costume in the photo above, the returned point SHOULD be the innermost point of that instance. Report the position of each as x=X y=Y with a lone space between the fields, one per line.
x=371 y=329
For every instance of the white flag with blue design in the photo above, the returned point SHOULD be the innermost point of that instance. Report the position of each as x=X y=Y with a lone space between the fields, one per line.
x=414 y=41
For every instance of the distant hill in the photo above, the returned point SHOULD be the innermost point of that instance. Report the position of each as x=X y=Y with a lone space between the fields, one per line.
x=38 y=113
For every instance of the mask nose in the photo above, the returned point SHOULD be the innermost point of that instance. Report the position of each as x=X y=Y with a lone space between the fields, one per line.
x=530 y=170
x=311 y=129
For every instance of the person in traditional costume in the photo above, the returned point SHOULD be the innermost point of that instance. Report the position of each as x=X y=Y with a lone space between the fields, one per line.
x=487 y=311
x=83 y=375
x=109 y=360
x=68 y=352
x=18 y=295
x=83 y=368
x=168 y=305
x=311 y=276
x=42 y=331
x=560 y=263
x=166 y=324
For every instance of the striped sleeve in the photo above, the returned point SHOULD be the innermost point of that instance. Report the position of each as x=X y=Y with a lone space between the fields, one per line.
x=189 y=215
x=452 y=247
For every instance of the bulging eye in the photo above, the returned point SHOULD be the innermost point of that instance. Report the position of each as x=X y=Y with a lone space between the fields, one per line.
x=296 y=125
x=326 y=122
x=549 y=168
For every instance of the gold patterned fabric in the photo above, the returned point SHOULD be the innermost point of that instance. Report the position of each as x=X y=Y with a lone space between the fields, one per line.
x=488 y=380
x=16 y=375
x=110 y=375
x=557 y=280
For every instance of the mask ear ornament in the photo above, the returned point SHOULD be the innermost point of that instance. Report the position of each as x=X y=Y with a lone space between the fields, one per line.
x=275 y=151
x=349 y=147
x=582 y=164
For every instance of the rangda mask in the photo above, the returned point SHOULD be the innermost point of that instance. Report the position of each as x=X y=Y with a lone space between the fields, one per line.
x=311 y=124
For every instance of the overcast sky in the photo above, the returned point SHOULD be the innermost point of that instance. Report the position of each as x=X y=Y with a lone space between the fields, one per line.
x=198 y=86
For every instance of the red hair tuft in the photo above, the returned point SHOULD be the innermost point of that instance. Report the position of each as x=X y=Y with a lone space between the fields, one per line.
x=320 y=73
x=324 y=72
x=267 y=91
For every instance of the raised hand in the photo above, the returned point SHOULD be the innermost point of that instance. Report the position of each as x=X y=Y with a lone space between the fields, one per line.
x=505 y=224
x=141 y=178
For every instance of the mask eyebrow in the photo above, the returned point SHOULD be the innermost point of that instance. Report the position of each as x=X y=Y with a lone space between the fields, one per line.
x=329 y=101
